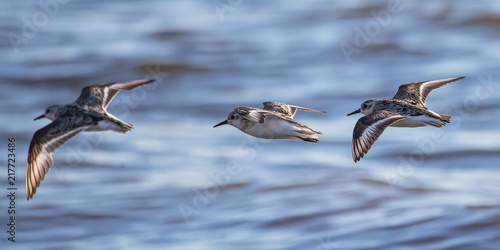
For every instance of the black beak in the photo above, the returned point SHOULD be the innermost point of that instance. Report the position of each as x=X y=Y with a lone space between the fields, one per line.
x=40 y=117
x=221 y=123
x=354 y=112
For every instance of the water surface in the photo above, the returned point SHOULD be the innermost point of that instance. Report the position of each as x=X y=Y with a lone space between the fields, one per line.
x=174 y=182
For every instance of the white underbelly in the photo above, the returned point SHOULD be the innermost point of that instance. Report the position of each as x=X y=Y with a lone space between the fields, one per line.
x=415 y=121
x=104 y=125
x=274 y=129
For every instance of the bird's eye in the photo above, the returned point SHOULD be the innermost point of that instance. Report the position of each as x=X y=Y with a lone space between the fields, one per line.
x=232 y=117
x=364 y=106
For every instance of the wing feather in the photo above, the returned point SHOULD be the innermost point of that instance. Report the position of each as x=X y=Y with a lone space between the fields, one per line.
x=286 y=109
x=368 y=129
x=45 y=141
x=419 y=91
x=252 y=114
x=100 y=95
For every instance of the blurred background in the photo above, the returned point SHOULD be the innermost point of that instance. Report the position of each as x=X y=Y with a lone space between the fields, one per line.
x=174 y=182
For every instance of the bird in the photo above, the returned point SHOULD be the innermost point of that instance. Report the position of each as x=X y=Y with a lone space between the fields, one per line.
x=274 y=121
x=406 y=109
x=87 y=113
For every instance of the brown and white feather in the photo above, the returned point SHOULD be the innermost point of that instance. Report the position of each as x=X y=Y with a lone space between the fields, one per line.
x=417 y=92
x=99 y=96
x=45 y=141
x=368 y=129
x=286 y=109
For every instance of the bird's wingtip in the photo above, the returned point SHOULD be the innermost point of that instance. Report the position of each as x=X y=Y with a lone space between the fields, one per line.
x=456 y=78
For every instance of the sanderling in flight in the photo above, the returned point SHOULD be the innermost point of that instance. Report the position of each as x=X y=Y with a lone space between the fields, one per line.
x=87 y=113
x=405 y=109
x=275 y=121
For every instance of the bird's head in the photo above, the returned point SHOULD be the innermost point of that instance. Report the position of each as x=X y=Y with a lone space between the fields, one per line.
x=232 y=119
x=51 y=113
x=366 y=108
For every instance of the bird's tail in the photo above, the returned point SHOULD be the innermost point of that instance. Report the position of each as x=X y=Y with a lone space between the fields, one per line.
x=442 y=119
x=124 y=127
x=307 y=134
x=439 y=121
x=445 y=118
x=119 y=125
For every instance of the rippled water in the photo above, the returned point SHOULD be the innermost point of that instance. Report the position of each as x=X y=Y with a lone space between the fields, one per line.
x=174 y=182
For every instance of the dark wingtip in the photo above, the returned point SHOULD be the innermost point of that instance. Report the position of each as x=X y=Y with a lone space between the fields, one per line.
x=30 y=195
x=358 y=158
x=457 y=78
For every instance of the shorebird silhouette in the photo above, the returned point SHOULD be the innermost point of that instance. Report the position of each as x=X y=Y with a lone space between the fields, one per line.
x=275 y=121
x=87 y=113
x=405 y=109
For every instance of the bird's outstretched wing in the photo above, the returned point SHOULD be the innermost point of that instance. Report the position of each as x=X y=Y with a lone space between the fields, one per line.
x=45 y=141
x=419 y=91
x=286 y=109
x=368 y=129
x=100 y=95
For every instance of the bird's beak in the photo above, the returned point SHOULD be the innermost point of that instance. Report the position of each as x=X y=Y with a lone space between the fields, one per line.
x=354 y=112
x=221 y=123
x=40 y=117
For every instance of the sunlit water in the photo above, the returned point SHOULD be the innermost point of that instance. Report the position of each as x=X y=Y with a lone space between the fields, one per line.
x=174 y=182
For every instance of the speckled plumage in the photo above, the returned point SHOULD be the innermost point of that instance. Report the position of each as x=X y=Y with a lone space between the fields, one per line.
x=406 y=109
x=87 y=113
x=274 y=121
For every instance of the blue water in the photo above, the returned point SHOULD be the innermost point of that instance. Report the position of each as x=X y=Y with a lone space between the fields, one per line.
x=174 y=182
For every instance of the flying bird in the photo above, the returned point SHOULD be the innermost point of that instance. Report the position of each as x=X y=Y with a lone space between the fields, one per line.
x=406 y=109
x=274 y=121
x=87 y=113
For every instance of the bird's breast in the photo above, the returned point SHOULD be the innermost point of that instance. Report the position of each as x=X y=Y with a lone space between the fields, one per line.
x=270 y=129
x=412 y=121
